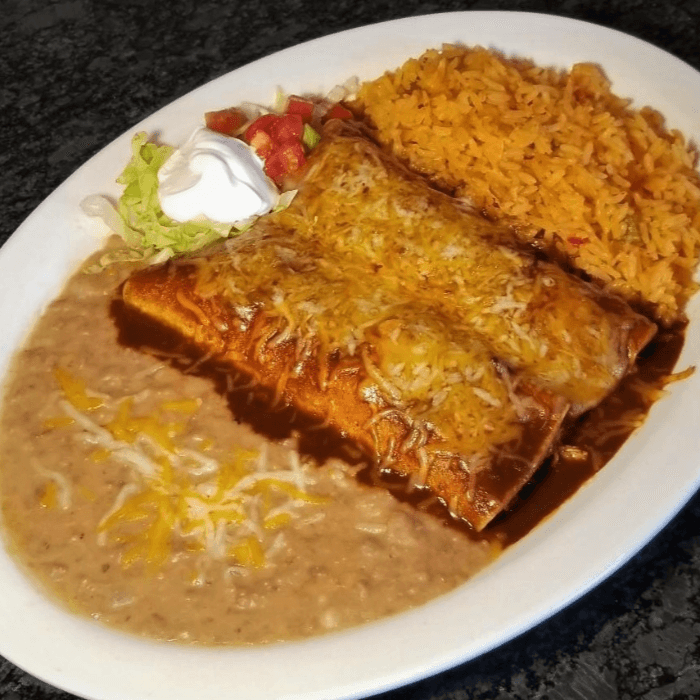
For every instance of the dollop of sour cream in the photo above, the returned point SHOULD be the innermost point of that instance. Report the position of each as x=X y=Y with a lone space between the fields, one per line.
x=215 y=177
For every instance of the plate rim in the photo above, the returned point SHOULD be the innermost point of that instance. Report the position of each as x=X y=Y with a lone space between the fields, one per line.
x=392 y=677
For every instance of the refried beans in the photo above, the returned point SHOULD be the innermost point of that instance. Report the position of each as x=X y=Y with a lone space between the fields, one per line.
x=354 y=553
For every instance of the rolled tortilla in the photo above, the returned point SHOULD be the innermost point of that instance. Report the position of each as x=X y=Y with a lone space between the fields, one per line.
x=404 y=321
x=564 y=333
x=392 y=375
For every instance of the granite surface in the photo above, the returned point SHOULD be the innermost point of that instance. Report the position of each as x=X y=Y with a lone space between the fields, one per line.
x=74 y=74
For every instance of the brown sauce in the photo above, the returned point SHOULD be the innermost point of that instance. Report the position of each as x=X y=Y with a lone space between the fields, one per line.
x=559 y=478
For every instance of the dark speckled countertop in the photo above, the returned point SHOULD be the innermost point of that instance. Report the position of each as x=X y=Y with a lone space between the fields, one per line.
x=74 y=74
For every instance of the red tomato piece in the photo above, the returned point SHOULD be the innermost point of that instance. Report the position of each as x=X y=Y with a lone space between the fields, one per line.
x=285 y=160
x=263 y=123
x=304 y=108
x=262 y=143
x=274 y=167
x=337 y=111
x=289 y=127
x=293 y=156
x=225 y=121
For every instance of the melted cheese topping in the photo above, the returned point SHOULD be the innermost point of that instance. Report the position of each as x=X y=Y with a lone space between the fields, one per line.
x=435 y=377
x=529 y=313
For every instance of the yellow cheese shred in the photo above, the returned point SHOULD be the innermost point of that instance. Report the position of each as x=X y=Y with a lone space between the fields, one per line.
x=275 y=522
x=180 y=499
x=49 y=496
x=101 y=455
x=74 y=390
x=249 y=553
x=187 y=406
x=58 y=422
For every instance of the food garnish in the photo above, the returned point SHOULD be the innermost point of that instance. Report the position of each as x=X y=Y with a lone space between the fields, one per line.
x=277 y=140
x=217 y=178
x=178 y=201
x=225 y=121
x=337 y=111
x=298 y=105
x=150 y=235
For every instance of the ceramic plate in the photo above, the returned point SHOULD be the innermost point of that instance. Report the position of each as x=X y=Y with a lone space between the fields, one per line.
x=589 y=537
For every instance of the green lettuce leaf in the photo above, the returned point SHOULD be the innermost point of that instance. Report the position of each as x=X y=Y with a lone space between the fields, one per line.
x=146 y=226
x=150 y=235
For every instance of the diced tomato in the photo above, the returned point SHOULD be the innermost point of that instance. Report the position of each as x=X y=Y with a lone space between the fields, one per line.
x=277 y=140
x=263 y=123
x=274 y=167
x=575 y=240
x=285 y=160
x=337 y=111
x=298 y=105
x=225 y=121
x=293 y=156
x=262 y=143
x=290 y=127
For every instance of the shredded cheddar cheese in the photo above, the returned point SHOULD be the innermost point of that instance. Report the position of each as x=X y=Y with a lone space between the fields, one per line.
x=187 y=406
x=179 y=498
x=57 y=422
x=249 y=553
x=101 y=455
x=49 y=496
x=74 y=390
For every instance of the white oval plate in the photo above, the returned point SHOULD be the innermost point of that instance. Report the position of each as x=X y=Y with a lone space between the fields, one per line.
x=583 y=542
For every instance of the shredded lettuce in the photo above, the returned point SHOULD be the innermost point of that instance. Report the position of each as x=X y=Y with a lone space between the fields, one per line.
x=150 y=235
x=139 y=206
x=285 y=200
x=310 y=137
